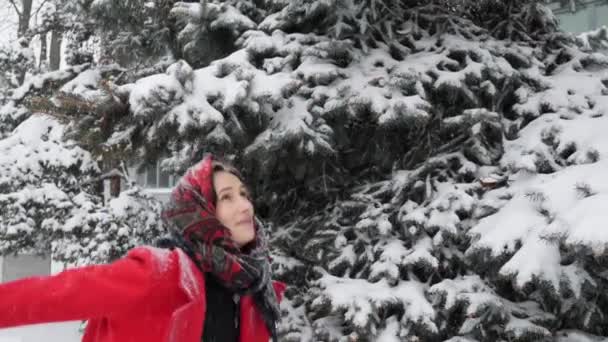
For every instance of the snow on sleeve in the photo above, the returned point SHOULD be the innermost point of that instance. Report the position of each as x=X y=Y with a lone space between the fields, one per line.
x=161 y=256
x=187 y=277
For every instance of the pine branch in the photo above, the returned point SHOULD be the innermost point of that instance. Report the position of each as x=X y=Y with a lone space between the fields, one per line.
x=71 y=106
x=536 y=196
x=584 y=190
x=112 y=174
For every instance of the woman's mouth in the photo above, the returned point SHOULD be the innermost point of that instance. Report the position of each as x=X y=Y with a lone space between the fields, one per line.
x=245 y=221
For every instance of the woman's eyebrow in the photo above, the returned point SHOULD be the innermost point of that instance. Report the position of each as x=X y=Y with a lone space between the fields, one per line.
x=224 y=189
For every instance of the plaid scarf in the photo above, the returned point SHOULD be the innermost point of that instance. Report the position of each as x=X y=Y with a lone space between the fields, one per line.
x=190 y=217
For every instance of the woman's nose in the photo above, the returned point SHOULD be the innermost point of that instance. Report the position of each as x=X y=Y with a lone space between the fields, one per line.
x=245 y=205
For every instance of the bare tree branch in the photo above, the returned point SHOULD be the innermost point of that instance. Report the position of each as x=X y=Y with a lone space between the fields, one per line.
x=12 y=2
x=40 y=7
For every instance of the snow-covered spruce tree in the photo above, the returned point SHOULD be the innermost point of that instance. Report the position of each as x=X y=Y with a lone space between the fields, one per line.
x=207 y=31
x=145 y=37
x=15 y=59
x=396 y=258
x=50 y=199
x=133 y=33
x=16 y=108
x=420 y=162
x=69 y=27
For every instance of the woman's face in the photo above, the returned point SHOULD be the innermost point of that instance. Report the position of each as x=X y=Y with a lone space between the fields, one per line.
x=233 y=207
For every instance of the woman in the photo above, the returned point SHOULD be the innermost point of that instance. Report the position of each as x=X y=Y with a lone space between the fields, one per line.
x=186 y=291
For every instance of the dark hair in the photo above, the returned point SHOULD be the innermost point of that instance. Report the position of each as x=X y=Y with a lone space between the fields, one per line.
x=221 y=165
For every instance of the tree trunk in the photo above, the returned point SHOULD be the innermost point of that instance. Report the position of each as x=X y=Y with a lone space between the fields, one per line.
x=55 y=53
x=24 y=17
x=115 y=186
x=42 y=62
x=203 y=11
x=24 y=25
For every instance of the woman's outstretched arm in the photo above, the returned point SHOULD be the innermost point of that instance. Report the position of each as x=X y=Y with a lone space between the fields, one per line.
x=83 y=293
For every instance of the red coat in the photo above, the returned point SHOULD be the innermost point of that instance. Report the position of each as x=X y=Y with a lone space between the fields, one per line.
x=151 y=295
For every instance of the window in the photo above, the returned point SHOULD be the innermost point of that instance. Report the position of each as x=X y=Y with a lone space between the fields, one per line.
x=153 y=177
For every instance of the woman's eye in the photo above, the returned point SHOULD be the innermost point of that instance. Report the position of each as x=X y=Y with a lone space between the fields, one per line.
x=225 y=197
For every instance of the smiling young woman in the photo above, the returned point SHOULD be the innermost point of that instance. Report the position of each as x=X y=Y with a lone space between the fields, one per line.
x=209 y=281
x=233 y=203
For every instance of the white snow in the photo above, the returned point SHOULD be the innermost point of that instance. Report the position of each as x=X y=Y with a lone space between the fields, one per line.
x=359 y=298
x=546 y=257
x=422 y=252
x=187 y=278
x=542 y=207
x=347 y=254
x=35 y=143
x=86 y=84
x=53 y=332
x=533 y=210
x=392 y=256
x=38 y=81
x=391 y=332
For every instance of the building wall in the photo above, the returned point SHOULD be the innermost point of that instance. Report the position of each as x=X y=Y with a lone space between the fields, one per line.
x=16 y=267
x=161 y=194
x=12 y=268
x=586 y=15
x=52 y=332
